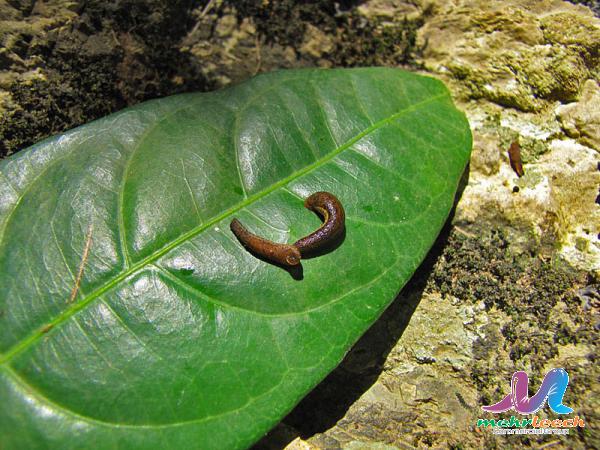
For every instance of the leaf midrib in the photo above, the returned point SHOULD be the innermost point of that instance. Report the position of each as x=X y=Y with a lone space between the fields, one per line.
x=24 y=344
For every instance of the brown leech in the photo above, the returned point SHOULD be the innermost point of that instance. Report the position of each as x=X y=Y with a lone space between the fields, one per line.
x=284 y=254
x=334 y=217
x=324 y=204
x=514 y=157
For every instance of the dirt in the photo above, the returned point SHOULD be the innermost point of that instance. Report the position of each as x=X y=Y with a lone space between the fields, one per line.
x=64 y=64
x=67 y=65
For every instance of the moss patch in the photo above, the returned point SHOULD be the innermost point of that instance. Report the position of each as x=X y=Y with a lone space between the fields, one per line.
x=544 y=307
x=285 y=21
x=378 y=44
x=358 y=41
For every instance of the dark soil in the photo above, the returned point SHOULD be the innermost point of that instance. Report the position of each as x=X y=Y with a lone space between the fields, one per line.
x=525 y=288
x=105 y=56
x=111 y=55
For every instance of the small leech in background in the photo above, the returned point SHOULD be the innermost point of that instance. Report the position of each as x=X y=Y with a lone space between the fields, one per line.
x=514 y=156
x=324 y=204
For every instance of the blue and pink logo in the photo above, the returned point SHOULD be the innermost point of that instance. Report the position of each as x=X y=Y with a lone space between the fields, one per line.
x=553 y=388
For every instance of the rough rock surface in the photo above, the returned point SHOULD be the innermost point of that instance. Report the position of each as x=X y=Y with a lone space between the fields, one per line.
x=512 y=283
x=517 y=54
x=581 y=119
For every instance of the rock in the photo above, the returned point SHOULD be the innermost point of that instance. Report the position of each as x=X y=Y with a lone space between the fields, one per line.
x=226 y=25
x=571 y=28
x=512 y=53
x=299 y=444
x=409 y=403
x=485 y=157
x=581 y=120
x=392 y=9
x=360 y=445
x=316 y=43
x=572 y=171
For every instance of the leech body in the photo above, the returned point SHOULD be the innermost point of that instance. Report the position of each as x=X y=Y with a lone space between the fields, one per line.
x=514 y=157
x=284 y=254
x=324 y=204
x=334 y=217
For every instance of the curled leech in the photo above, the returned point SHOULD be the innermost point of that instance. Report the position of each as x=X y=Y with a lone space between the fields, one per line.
x=323 y=203
x=334 y=218
x=285 y=254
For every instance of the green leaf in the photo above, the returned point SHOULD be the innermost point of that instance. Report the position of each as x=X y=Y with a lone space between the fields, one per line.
x=176 y=336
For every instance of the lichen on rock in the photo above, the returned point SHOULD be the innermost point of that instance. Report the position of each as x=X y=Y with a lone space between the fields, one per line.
x=515 y=54
x=581 y=119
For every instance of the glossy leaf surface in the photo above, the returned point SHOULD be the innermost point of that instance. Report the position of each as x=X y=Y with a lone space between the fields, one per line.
x=176 y=336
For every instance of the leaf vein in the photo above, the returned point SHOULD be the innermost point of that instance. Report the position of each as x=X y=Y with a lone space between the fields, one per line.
x=76 y=307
